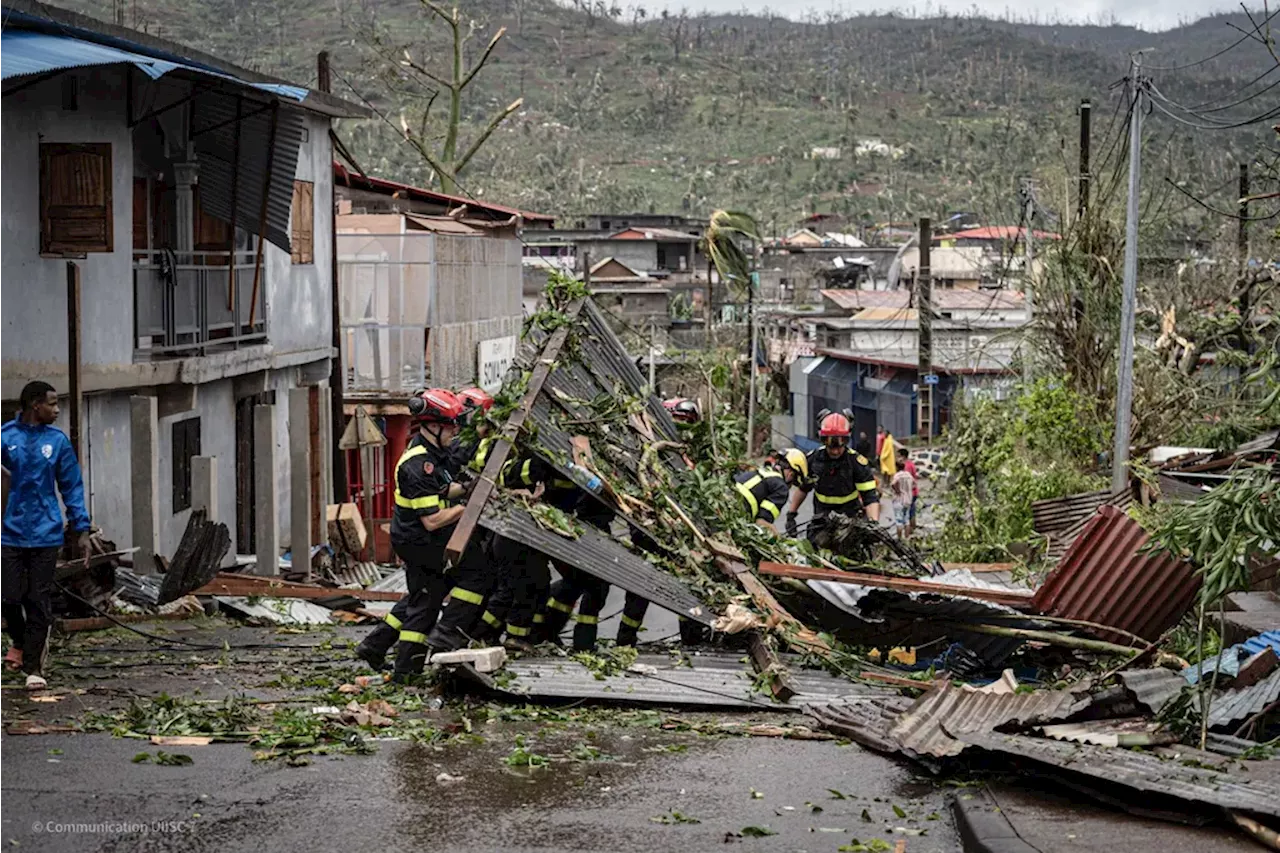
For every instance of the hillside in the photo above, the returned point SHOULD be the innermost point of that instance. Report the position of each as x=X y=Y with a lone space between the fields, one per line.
x=693 y=113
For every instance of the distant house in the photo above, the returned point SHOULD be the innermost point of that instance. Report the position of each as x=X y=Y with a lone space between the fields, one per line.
x=609 y=271
x=952 y=267
x=1003 y=239
x=187 y=202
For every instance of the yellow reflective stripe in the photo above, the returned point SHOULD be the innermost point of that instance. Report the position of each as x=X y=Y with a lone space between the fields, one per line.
x=559 y=605
x=391 y=620
x=491 y=619
x=837 y=499
x=539 y=618
x=767 y=473
x=525 y=476
x=868 y=486
x=587 y=620
x=517 y=631
x=417 y=503
x=561 y=483
x=413 y=503
x=466 y=595
x=413 y=637
x=771 y=508
x=631 y=623
x=745 y=491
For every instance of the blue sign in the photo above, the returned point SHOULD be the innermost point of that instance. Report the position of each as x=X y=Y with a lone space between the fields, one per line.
x=931 y=379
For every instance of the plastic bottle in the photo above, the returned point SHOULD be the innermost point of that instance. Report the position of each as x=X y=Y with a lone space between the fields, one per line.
x=584 y=478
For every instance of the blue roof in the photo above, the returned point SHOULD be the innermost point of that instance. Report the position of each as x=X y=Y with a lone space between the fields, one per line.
x=25 y=52
x=1256 y=644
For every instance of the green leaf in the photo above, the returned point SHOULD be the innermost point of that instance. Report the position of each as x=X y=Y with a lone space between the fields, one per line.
x=757 y=831
x=897 y=810
x=866 y=816
x=141 y=757
x=836 y=795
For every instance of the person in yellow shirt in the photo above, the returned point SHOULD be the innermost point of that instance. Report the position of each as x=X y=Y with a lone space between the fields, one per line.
x=888 y=455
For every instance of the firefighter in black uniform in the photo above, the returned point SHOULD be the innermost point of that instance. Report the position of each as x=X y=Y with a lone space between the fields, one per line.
x=841 y=480
x=765 y=490
x=476 y=404
x=425 y=485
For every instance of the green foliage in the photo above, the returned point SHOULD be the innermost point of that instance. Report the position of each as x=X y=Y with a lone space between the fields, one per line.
x=726 y=232
x=607 y=662
x=1002 y=456
x=522 y=756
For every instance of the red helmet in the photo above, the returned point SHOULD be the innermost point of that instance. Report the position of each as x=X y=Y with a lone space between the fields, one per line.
x=436 y=406
x=834 y=425
x=682 y=410
x=476 y=398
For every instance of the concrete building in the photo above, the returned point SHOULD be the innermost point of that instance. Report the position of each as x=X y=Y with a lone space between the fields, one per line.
x=167 y=246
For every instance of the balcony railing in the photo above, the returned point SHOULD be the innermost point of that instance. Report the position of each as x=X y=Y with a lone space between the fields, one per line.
x=185 y=303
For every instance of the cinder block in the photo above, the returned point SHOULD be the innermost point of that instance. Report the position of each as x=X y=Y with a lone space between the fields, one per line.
x=484 y=660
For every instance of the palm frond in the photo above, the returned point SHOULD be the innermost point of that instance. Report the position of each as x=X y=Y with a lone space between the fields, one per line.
x=724 y=237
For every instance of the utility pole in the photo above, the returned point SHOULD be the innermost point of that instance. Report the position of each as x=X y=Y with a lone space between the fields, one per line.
x=1124 y=369
x=337 y=371
x=1082 y=201
x=1242 y=243
x=925 y=378
x=752 y=277
x=653 y=358
x=1029 y=200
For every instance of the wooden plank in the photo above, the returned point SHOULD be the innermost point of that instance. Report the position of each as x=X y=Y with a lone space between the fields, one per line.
x=979 y=568
x=766 y=659
x=1016 y=600
x=793 y=632
x=229 y=584
x=502 y=447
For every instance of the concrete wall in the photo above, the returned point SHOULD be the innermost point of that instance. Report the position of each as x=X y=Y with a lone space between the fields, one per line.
x=34 y=338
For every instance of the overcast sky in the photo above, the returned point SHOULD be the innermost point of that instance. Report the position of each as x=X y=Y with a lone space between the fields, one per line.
x=1147 y=14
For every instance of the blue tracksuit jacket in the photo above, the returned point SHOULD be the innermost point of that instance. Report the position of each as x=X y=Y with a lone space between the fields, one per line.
x=41 y=464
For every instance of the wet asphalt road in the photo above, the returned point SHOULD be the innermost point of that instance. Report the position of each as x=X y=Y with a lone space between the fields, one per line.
x=391 y=800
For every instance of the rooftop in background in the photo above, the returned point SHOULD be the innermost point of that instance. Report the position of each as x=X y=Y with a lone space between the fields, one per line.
x=666 y=235
x=39 y=38
x=943 y=300
x=997 y=232
x=452 y=205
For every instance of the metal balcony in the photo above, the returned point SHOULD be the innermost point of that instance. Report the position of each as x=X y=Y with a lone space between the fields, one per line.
x=193 y=303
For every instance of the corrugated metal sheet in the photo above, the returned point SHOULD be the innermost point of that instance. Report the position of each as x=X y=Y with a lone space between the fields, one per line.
x=714 y=679
x=1253 y=645
x=1252 y=786
x=598 y=555
x=1128 y=731
x=1104 y=578
x=394 y=582
x=1173 y=489
x=872 y=605
x=1153 y=688
x=864 y=721
x=216 y=130
x=278 y=611
x=361 y=574
x=1061 y=520
x=1235 y=706
x=1266 y=441
x=932 y=725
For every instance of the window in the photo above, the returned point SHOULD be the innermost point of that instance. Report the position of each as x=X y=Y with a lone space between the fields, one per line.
x=75 y=198
x=302 y=223
x=186 y=444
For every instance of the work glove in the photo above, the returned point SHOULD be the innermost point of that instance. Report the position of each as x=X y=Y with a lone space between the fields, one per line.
x=792 y=527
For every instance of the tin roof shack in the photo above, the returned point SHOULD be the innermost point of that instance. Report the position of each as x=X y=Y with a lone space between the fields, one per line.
x=797 y=275
x=167 y=236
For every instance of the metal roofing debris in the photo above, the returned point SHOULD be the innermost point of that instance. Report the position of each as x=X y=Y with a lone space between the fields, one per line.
x=143 y=590
x=601 y=556
x=717 y=679
x=1236 y=705
x=200 y=552
x=394 y=582
x=1129 y=731
x=943 y=300
x=1269 y=639
x=344 y=177
x=1153 y=688
x=1061 y=520
x=1264 y=442
x=279 y=611
x=358 y=574
x=864 y=721
x=932 y=725
x=1252 y=786
x=969 y=587
x=1105 y=578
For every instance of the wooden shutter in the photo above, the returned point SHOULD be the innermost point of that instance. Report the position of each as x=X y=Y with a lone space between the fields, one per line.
x=302 y=223
x=75 y=198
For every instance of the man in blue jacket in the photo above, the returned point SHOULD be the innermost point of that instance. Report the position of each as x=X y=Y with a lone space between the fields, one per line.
x=39 y=463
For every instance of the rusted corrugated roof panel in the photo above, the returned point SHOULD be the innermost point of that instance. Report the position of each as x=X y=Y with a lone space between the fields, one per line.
x=932 y=725
x=1237 y=705
x=598 y=555
x=1251 y=786
x=1060 y=520
x=713 y=679
x=1127 y=731
x=1153 y=688
x=1105 y=578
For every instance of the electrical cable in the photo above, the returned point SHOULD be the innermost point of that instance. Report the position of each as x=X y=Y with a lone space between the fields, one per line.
x=1257 y=28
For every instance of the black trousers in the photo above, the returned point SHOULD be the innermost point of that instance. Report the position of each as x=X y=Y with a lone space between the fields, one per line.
x=27 y=577
x=418 y=611
x=633 y=610
x=468 y=585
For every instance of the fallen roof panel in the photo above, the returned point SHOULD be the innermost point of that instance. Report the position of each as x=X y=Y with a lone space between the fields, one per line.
x=934 y=723
x=1153 y=688
x=600 y=556
x=1106 y=578
x=997 y=595
x=1253 y=787
x=864 y=721
x=713 y=679
x=1127 y=731
x=1236 y=705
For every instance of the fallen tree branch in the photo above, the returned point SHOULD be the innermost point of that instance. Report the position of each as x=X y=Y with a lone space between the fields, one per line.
x=1045 y=637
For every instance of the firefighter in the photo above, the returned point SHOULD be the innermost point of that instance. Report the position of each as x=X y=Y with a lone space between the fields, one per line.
x=684 y=412
x=765 y=489
x=472 y=455
x=423 y=519
x=841 y=480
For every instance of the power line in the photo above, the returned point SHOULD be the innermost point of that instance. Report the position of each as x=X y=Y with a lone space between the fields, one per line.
x=1223 y=52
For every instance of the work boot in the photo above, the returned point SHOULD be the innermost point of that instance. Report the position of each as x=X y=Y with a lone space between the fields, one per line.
x=376 y=658
x=411 y=660
x=628 y=634
x=517 y=644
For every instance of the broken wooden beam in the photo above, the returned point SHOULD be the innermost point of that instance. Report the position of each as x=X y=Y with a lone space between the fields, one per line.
x=766 y=662
x=793 y=632
x=466 y=526
x=227 y=583
x=1016 y=600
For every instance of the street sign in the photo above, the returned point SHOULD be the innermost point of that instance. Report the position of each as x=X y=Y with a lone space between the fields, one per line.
x=931 y=379
x=495 y=357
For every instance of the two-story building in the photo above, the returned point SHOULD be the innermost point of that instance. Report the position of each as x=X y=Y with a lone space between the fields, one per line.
x=168 y=262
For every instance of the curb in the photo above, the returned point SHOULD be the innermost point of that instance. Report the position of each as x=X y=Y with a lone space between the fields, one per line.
x=983 y=827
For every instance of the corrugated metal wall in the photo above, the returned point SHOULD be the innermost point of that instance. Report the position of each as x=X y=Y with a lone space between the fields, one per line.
x=477 y=298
